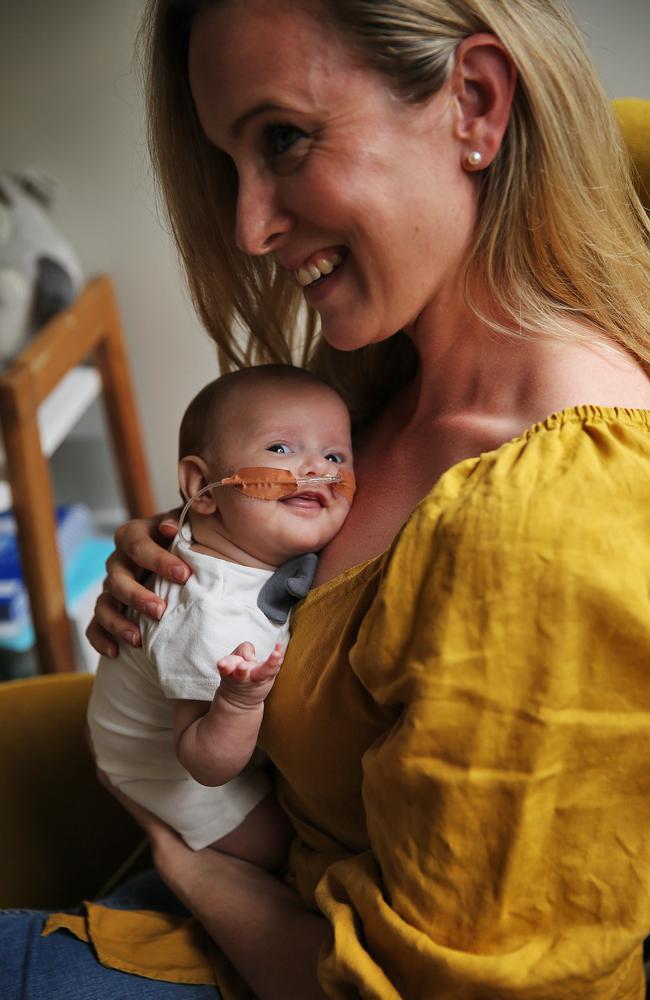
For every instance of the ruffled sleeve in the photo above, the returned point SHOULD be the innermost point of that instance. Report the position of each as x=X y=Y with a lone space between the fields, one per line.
x=508 y=808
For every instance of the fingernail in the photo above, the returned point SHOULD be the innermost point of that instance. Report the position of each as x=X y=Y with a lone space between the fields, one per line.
x=179 y=574
x=154 y=610
x=133 y=638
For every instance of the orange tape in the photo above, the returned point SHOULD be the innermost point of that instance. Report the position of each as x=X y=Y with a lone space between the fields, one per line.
x=266 y=483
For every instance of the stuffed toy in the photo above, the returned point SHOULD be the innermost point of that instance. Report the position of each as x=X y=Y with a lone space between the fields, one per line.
x=40 y=273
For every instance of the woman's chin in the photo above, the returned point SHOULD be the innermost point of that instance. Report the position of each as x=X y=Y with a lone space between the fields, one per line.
x=347 y=336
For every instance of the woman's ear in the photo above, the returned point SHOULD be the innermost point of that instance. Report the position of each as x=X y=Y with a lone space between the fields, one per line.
x=194 y=475
x=483 y=85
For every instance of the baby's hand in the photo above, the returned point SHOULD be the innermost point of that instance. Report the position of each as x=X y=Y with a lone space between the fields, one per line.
x=245 y=683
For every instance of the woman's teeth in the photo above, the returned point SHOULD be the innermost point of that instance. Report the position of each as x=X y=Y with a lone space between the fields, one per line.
x=320 y=267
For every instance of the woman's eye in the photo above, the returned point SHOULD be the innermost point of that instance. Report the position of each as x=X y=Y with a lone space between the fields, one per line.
x=281 y=138
x=334 y=457
x=279 y=449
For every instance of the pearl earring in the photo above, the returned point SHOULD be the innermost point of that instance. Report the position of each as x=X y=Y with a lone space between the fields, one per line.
x=474 y=159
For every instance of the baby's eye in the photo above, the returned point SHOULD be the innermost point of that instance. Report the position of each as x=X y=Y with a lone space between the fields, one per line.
x=281 y=138
x=334 y=457
x=279 y=449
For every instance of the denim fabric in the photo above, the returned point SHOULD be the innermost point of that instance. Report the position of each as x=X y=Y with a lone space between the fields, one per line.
x=60 y=967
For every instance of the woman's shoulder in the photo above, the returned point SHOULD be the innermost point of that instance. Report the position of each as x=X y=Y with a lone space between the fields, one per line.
x=579 y=459
x=576 y=483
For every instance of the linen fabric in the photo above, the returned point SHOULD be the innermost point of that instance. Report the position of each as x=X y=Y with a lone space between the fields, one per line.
x=461 y=731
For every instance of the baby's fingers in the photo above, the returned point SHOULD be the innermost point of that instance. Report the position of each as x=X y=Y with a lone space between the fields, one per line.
x=269 y=668
x=245 y=650
x=229 y=664
x=238 y=672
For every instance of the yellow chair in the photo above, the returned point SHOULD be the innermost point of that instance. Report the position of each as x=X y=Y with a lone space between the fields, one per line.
x=634 y=118
x=61 y=834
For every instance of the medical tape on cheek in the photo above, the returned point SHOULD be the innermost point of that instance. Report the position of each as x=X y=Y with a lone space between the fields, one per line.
x=262 y=482
x=346 y=485
x=266 y=483
x=257 y=483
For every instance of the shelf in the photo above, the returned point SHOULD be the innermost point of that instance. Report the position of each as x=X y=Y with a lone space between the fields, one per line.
x=57 y=415
x=44 y=391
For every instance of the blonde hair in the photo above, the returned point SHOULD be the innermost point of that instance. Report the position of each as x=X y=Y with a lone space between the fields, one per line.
x=561 y=234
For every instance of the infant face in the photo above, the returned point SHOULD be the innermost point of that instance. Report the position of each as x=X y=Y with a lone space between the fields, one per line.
x=304 y=428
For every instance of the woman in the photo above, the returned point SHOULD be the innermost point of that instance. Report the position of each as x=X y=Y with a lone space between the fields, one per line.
x=458 y=728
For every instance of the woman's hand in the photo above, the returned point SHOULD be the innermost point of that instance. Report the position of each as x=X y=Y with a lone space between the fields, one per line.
x=139 y=546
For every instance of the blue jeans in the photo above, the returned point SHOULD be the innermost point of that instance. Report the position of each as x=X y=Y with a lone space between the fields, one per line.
x=60 y=967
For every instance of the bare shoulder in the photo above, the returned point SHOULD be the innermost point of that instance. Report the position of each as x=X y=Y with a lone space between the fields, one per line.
x=601 y=372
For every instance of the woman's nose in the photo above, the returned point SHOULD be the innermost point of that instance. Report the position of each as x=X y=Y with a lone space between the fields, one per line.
x=260 y=222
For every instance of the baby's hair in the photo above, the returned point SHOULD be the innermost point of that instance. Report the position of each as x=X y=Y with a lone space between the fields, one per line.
x=200 y=427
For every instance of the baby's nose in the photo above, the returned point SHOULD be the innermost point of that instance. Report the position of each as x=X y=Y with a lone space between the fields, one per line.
x=314 y=464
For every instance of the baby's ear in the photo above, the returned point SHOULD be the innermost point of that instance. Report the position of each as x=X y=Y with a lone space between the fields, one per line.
x=194 y=475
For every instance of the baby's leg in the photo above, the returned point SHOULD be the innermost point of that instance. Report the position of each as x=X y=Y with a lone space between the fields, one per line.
x=262 y=838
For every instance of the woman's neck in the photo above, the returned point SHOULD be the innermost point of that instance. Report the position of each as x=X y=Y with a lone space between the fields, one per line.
x=475 y=390
x=467 y=370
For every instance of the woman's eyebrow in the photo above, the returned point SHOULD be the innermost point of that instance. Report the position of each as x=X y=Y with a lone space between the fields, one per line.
x=237 y=126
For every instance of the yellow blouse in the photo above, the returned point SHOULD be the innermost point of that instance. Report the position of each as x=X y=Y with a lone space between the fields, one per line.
x=461 y=730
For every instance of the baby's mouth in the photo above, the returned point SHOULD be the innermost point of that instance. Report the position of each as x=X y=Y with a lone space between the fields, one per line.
x=320 y=266
x=306 y=499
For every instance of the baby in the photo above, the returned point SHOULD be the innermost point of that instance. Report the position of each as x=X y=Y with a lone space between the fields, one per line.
x=174 y=723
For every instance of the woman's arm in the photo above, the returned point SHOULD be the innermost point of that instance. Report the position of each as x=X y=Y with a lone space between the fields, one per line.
x=258 y=922
x=139 y=546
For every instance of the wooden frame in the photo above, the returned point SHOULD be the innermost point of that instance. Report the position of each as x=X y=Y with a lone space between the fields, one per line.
x=89 y=329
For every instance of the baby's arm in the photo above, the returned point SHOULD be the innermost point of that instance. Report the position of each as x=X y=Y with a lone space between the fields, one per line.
x=215 y=740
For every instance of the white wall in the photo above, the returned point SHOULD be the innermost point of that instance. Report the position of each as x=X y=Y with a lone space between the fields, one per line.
x=618 y=34
x=71 y=106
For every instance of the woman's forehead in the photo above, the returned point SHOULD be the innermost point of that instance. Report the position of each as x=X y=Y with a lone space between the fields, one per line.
x=263 y=51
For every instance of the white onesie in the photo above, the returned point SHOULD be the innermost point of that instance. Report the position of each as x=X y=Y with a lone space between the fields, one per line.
x=130 y=715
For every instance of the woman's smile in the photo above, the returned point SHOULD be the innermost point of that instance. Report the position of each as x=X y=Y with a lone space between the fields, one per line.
x=319 y=265
x=321 y=287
